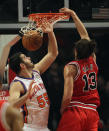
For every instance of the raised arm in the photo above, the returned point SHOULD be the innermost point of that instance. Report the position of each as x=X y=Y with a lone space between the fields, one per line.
x=78 y=23
x=50 y=57
x=5 y=54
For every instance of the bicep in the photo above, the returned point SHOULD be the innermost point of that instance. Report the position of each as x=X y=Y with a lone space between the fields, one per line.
x=14 y=92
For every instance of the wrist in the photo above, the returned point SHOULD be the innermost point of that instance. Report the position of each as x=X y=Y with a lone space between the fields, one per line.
x=51 y=32
x=73 y=13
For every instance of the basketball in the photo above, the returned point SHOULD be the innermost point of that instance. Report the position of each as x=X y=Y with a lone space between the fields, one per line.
x=32 y=40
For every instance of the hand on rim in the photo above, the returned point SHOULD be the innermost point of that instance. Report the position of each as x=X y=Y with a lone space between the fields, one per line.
x=65 y=11
x=47 y=27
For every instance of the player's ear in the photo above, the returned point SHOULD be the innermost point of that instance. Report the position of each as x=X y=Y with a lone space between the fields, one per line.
x=22 y=65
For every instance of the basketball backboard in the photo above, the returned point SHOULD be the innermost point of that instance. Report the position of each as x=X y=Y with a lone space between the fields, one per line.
x=26 y=7
x=14 y=13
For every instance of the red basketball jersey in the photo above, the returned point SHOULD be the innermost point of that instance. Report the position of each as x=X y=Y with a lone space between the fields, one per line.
x=85 y=92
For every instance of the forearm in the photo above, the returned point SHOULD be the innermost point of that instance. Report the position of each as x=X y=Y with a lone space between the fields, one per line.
x=79 y=25
x=6 y=50
x=65 y=103
x=52 y=44
x=5 y=54
x=68 y=92
x=3 y=60
x=19 y=102
x=66 y=100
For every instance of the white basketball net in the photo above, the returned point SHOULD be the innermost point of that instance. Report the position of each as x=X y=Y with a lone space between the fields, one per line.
x=37 y=21
x=30 y=26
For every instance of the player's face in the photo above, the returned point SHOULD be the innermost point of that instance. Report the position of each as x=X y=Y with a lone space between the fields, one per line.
x=27 y=61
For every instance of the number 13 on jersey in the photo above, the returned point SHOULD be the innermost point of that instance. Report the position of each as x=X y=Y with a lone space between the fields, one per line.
x=90 y=81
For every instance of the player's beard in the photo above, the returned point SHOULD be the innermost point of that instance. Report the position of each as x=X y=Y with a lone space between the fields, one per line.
x=29 y=65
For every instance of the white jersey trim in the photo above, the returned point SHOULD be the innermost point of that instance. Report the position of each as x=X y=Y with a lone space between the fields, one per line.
x=83 y=107
x=83 y=103
x=78 y=69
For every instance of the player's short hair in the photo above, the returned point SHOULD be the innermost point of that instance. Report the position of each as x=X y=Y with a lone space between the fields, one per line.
x=85 y=48
x=14 y=62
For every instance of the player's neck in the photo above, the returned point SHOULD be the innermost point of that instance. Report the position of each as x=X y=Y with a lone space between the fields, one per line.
x=26 y=73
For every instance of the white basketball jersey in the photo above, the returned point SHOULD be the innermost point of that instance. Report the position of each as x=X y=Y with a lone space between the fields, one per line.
x=38 y=106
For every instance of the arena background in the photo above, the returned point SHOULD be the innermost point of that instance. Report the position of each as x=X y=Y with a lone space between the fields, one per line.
x=94 y=14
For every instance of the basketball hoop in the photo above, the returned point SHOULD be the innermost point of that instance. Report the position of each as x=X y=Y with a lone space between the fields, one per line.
x=51 y=18
x=36 y=20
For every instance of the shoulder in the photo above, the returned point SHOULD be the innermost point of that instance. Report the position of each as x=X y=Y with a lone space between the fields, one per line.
x=16 y=86
x=36 y=71
x=70 y=69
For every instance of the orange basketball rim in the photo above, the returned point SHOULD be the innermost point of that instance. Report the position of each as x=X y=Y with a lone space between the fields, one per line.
x=47 y=17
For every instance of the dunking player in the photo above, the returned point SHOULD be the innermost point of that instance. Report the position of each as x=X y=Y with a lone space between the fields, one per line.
x=36 y=109
x=10 y=118
x=80 y=98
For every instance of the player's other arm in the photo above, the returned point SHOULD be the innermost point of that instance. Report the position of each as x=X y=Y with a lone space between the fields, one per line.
x=78 y=23
x=14 y=92
x=69 y=74
x=5 y=54
x=50 y=57
x=16 y=89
